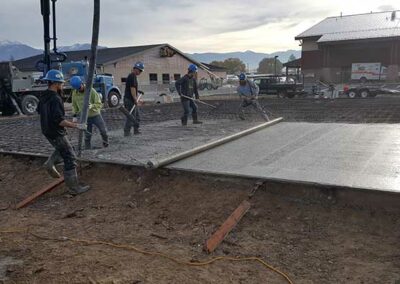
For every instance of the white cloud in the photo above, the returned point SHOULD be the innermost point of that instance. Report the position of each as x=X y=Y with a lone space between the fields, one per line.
x=208 y=25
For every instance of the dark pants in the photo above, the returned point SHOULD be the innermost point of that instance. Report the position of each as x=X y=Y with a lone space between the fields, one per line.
x=255 y=104
x=188 y=105
x=99 y=123
x=64 y=150
x=136 y=114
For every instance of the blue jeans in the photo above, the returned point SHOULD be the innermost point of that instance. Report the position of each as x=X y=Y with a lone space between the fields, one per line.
x=64 y=150
x=99 y=123
x=187 y=106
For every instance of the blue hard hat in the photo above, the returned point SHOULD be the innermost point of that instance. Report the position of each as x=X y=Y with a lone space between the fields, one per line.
x=242 y=77
x=54 y=76
x=192 y=68
x=139 y=65
x=76 y=82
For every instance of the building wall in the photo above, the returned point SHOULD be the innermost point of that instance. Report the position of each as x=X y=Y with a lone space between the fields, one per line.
x=332 y=62
x=154 y=64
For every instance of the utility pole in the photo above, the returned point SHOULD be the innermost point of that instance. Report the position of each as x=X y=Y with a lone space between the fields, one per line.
x=92 y=66
x=276 y=57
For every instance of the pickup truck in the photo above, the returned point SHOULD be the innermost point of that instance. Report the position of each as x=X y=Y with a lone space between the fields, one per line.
x=279 y=85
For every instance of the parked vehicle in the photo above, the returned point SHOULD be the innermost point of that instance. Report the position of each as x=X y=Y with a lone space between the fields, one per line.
x=364 y=72
x=279 y=85
x=20 y=91
x=369 y=90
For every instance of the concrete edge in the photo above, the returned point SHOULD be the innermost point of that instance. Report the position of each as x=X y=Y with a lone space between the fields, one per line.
x=156 y=163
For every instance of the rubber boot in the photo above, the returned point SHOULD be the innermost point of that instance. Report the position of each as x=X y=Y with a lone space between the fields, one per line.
x=71 y=181
x=105 y=141
x=195 y=119
x=184 y=120
x=50 y=166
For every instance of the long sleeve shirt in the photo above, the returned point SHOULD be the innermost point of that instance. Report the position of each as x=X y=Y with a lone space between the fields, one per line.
x=95 y=104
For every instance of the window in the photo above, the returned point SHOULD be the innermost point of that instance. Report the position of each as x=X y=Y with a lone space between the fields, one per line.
x=177 y=77
x=153 y=78
x=165 y=78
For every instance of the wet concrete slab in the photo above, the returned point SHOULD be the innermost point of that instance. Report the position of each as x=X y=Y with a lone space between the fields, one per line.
x=365 y=156
x=160 y=140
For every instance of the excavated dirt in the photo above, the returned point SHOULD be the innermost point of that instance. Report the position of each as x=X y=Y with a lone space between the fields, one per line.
x=319 y=238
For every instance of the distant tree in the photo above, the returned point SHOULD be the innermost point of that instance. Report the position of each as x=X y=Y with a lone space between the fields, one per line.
x=292 y=57
x=267 y=66
x=233 y=65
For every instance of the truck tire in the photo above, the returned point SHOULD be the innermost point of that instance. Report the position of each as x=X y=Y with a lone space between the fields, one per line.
x=29 y=104
x=113 y=99
x=352 y=94
x=364 y=93
x=209 y=87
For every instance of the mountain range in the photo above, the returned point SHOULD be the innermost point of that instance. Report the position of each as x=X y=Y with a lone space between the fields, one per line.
x=11 y=50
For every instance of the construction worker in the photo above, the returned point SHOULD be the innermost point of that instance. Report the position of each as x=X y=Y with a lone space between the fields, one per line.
x=94 y=115
x=248 y=91
x=187 y=89
x=53 y=124
x=131 y=99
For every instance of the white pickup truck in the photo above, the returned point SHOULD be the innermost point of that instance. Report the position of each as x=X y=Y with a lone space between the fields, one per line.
x=364 y=72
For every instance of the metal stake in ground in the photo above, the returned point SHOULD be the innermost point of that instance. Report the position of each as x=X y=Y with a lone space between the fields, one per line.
x=92 y=65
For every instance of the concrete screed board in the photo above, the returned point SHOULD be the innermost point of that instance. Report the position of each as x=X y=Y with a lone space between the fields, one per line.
x=364 y=156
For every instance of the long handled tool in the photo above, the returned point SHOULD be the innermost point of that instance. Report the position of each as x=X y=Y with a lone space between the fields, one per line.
x=134 y=106
x=199 y=101
x=128 y=113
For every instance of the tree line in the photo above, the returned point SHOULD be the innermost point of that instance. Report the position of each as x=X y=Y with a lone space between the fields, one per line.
x=266 y=66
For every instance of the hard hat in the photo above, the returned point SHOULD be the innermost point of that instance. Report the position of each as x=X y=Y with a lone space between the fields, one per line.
x=76 y=82
x=139 y=65
x=54 y=76
x=192 y=68
x=242 y=77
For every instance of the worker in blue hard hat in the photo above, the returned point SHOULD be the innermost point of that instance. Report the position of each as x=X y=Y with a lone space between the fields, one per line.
x=248 y=91
x=187 y=90
x=53 y=124
x=94 y=114
x=131 y=99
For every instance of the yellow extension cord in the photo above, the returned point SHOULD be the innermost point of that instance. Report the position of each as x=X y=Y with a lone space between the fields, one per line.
x=158 y=254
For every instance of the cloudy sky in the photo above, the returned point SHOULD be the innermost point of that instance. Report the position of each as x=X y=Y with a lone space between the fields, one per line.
x=192 y=26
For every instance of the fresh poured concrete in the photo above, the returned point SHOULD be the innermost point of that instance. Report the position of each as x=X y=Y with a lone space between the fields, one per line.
x=365 y=156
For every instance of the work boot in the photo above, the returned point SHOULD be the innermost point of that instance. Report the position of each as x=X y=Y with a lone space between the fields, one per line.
x=195 y=119
x=50 y=166
x=184 y=120
x=105 y=141
x=71 y=180
x=136 y=131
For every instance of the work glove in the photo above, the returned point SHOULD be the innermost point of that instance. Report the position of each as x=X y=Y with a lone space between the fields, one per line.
x=81 y=126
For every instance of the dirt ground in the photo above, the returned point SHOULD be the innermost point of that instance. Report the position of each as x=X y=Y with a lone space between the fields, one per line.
x=318 y=241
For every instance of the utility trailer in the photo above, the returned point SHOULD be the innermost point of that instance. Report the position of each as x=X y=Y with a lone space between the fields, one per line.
x=370 y=90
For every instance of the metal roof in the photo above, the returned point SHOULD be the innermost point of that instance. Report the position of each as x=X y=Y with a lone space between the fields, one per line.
x=104 y=55
x=353 y=27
